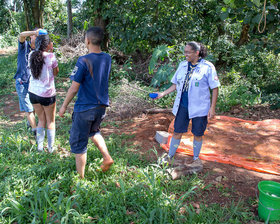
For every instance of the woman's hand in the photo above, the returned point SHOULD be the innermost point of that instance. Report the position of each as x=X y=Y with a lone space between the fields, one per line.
x=211 y=113
x=160 y=95
x=169 y=90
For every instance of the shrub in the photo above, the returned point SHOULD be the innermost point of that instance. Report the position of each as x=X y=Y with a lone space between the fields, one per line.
x=263 y=70
x=164 y=62
x=241 y=92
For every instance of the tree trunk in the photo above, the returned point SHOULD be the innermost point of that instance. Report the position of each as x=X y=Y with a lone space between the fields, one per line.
x=27 y=14
x=244 y=37
x=33 y=10
x=36 y=13
x=41 y=7
x=99 y=21
x=69 y=19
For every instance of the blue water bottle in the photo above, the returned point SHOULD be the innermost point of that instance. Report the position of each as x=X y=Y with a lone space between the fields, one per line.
x=43 y=32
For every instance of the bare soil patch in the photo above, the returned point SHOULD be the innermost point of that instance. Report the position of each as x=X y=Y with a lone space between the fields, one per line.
x=7 y=51
x=227 y=183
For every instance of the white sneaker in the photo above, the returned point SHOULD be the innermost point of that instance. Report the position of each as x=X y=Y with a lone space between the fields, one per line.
x=40 y=147
x=52 y=149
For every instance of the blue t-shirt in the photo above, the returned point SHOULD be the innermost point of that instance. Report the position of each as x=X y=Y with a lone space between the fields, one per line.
x=22 y=61
x=92 y=72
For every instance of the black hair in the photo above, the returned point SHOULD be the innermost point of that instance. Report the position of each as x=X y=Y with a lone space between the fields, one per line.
x=36 y=58
x=95 y=35
x=198 y=47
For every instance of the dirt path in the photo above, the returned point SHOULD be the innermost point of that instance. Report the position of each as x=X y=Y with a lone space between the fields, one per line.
x=7 y=51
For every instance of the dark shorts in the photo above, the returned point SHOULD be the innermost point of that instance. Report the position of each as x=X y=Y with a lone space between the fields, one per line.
x=84 y=125
x=44 y=101
x=182 y=121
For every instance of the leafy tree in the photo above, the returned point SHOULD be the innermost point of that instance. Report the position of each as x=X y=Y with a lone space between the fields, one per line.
x=138 y=24
x=55 y=17
x=34 y=13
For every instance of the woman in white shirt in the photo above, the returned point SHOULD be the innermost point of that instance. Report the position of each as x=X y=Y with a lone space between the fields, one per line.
x=193 y=80
x=42 y=93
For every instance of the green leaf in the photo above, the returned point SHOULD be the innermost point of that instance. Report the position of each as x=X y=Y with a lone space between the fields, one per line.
x=45 y=215
x=85 y=25
x=256 y=19
x=247 y=19
x=16 y=205
x=159 y=53
x=224 y=15
x=257 y=2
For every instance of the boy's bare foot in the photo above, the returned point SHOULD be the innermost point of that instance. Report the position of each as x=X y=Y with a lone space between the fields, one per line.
x=106 y=165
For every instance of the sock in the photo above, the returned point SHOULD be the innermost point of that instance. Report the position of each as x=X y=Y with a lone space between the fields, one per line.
x=174 y=144
x=40 y=138
x=196 y=149
x=51 y=136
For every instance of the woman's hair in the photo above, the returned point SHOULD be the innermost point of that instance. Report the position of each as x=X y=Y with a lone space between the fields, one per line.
x=36 y=58
x=198 y=47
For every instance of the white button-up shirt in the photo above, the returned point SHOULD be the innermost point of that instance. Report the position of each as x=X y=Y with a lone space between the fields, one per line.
x=203 y=77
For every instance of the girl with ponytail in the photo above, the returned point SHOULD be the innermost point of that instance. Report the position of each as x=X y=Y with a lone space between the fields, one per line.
x=43 y=65
x=193 y=80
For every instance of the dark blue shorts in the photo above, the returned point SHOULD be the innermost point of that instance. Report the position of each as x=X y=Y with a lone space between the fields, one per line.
x=182 y=121
x=84 y=125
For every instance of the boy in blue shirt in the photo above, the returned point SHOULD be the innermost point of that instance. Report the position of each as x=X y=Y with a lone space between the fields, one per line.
x=90 y=79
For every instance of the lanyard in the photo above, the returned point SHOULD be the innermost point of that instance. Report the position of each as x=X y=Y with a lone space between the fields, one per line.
x=188 y=76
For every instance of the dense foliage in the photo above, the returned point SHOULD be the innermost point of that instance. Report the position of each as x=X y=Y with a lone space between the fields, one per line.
x=246 y=58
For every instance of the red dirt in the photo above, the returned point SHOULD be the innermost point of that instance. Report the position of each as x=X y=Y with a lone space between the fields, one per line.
x=250 y=144
x=220 y=176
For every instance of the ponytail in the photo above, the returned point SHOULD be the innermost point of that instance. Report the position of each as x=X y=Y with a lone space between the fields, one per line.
x=198 y=47
x=36 y=57
x=36 y=63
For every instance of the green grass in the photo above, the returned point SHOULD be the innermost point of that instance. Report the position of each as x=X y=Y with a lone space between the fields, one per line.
x=8 y=68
